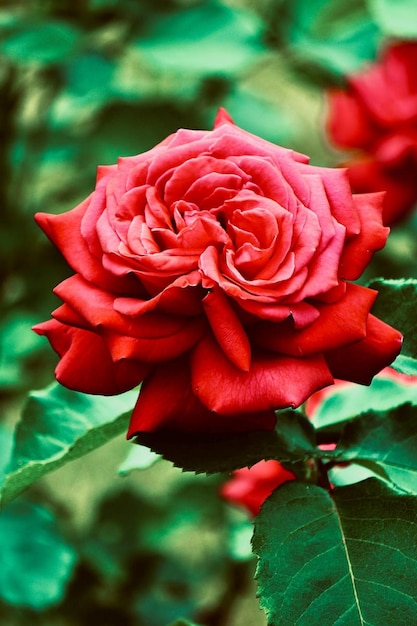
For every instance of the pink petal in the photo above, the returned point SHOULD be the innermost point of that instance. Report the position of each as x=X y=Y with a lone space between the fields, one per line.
x=222 y=117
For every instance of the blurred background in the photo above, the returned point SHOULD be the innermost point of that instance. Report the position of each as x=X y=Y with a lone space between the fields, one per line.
x=118 y=538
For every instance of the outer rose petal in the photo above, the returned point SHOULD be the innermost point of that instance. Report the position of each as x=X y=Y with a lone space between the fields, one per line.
x=249 y=487
x=340 y=323
x=167 y=402
x=273 y=382
x=65 y=232
x=86 y=364
x=359 y=250
x=360 y=361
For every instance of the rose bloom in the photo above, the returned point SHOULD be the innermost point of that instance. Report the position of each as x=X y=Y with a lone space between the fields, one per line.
x=250 y=486
x=377 y=116
x=215 y=268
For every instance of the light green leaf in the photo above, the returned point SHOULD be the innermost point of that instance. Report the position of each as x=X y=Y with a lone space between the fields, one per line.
x=396 y=304
x=139 y=458
x=207 y=39
x=346 y=559
x=59 y=425
x=292 y=440
x=36 y=561
x=396 y=19
x=17 y=342
x=405 y=364
x=260 y=117
x=43 y=42
x=348 y=401
x=342 y=475
x=386 y=443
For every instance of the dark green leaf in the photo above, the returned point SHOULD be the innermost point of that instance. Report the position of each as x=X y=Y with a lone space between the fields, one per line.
x=36 y=562
x=292 y=440
x=58 y=426
x=384 y=441
x=6 y=444
x=396 y=304
x=183 y=622
x=46 y=42
x=209 y=38
x=348 y=559
x=396 y=19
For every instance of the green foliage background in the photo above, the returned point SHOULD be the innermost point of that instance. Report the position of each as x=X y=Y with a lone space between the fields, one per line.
x=81 y=83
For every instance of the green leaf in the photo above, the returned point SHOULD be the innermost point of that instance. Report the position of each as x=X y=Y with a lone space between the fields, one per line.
x=36 y=561
x=260 y=117
x=342 y=475
x=396 y=19
x=183 y=622
x=348 y=559
x=350 y=400
x=292 y=440
x=337 y=35
x=6 y=444
x=139 y=458
x=58 y=426
x=47 y=42
x=384 y=441
x=17 y=342
x=207 y=39
x=396 y=304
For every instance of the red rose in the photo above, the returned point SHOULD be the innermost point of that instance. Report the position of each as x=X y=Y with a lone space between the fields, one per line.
x=377 y=115
x=249 y=487
x=214 y=268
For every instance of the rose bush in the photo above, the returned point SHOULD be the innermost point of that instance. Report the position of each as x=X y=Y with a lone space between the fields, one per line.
x=377 y=116
x=250 y=486
x=215 y=268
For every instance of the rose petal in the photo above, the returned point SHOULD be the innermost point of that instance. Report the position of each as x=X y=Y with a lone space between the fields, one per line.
x=161 y=346
x=64 y=231
x=360 y=361
x=86 y=364
x=359 y=250
x=273 y=382
x=227 y=329
x=167 y=401
x=340 y=323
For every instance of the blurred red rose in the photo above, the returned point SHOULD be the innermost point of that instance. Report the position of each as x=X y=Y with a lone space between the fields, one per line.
x=214 y=268
x=249 y=487
x=377 y=115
